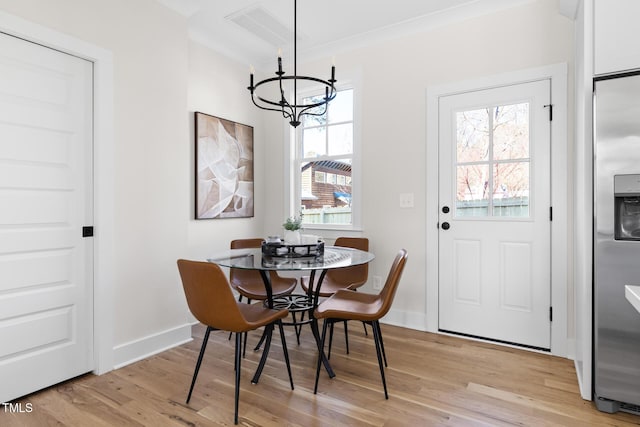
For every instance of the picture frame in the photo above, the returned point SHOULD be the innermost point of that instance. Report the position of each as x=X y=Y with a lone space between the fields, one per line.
x=224 y=179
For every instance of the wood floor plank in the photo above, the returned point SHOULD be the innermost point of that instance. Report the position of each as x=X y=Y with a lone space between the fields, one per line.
x=432 y=379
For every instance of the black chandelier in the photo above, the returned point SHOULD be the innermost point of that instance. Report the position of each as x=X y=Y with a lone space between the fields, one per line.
x=292 y=110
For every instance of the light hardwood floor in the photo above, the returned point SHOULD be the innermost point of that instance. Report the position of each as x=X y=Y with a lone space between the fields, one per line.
x=432 y=380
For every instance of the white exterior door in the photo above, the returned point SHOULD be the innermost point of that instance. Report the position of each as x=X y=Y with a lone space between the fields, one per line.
x=46 y=266
x=494 y=214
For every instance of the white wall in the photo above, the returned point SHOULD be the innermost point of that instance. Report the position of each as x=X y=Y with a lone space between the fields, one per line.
x=395 y=76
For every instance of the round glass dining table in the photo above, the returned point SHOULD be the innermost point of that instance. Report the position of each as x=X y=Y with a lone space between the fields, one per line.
x=254 y=259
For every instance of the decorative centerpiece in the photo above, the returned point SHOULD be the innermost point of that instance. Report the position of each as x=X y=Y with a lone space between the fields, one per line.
x=293 y=246
x=292 y=228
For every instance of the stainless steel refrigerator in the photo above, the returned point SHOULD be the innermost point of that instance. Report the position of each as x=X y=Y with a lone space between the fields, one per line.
x=616 y=245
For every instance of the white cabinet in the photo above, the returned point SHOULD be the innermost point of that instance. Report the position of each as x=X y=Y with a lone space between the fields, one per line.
x=616 y=35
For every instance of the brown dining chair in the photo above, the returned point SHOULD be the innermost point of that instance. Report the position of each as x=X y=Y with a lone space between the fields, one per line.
x=249 y=283
x=347 y=304
x=343 y=278
x=211 y=301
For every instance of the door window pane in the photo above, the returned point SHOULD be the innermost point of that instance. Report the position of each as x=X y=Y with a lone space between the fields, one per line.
x=472 y=190
x=472 y=133
x=511 y=132
x=511 y=189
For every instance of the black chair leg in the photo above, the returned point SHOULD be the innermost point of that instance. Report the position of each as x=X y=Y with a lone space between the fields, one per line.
x=376 y=338
x=346 y=336
x=238 y=371
x=264 y=333
x=267 y=344
x=202 y=349
x=364 y=325
x=296 y=327
x=384 y=355
x=321 y=349
x=330 y=341
x=244 y=346
x=286 y=353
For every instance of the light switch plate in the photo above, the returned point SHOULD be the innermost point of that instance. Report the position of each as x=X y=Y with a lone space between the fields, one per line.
x=406 y=200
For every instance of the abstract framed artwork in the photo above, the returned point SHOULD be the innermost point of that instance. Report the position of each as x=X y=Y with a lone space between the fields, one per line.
x=224 y=168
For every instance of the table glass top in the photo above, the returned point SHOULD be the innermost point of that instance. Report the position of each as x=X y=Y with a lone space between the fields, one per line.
x=253 y=259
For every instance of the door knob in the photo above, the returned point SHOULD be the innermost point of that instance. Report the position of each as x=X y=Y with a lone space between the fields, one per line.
x=445 y=209
x=445 y=226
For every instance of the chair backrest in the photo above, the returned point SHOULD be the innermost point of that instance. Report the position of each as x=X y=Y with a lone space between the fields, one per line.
x=356 y=275
x=209 y=295
x=388 y=292
x=238 y=276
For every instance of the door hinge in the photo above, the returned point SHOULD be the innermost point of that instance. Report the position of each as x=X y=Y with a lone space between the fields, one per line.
x=550 y=111
x=551 y=314
x=550 y=213
x=87 y=231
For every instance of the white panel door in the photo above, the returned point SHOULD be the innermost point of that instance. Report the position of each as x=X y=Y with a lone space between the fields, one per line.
x=494 y=195
x=46 y=266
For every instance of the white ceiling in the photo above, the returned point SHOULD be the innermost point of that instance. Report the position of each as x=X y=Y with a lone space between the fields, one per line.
x=325 y=27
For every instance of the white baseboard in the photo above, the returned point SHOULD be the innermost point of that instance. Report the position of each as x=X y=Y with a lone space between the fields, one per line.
x=133 y=351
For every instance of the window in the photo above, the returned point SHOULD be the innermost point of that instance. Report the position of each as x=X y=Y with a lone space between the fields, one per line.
x=492 y=161
x=326 y=151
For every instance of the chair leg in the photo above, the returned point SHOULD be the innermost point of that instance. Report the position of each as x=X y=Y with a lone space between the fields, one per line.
x=268 y=332
x=384 y=355
x=346 y=336
x=286 y=353
x=376 y=338
x=202 y=349
x=296 y=328
x=321 y=349
x=238 y=371
x=264 y=333
x=364 y=325
x=330 y=341
x=244 y=346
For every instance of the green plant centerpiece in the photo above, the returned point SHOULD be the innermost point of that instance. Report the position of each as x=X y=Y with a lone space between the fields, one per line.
x=292 y=227
x=293 y=223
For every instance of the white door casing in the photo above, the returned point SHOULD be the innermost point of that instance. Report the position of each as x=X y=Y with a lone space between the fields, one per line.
x=494 y=191
x=559 y=192
x=46 y=292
